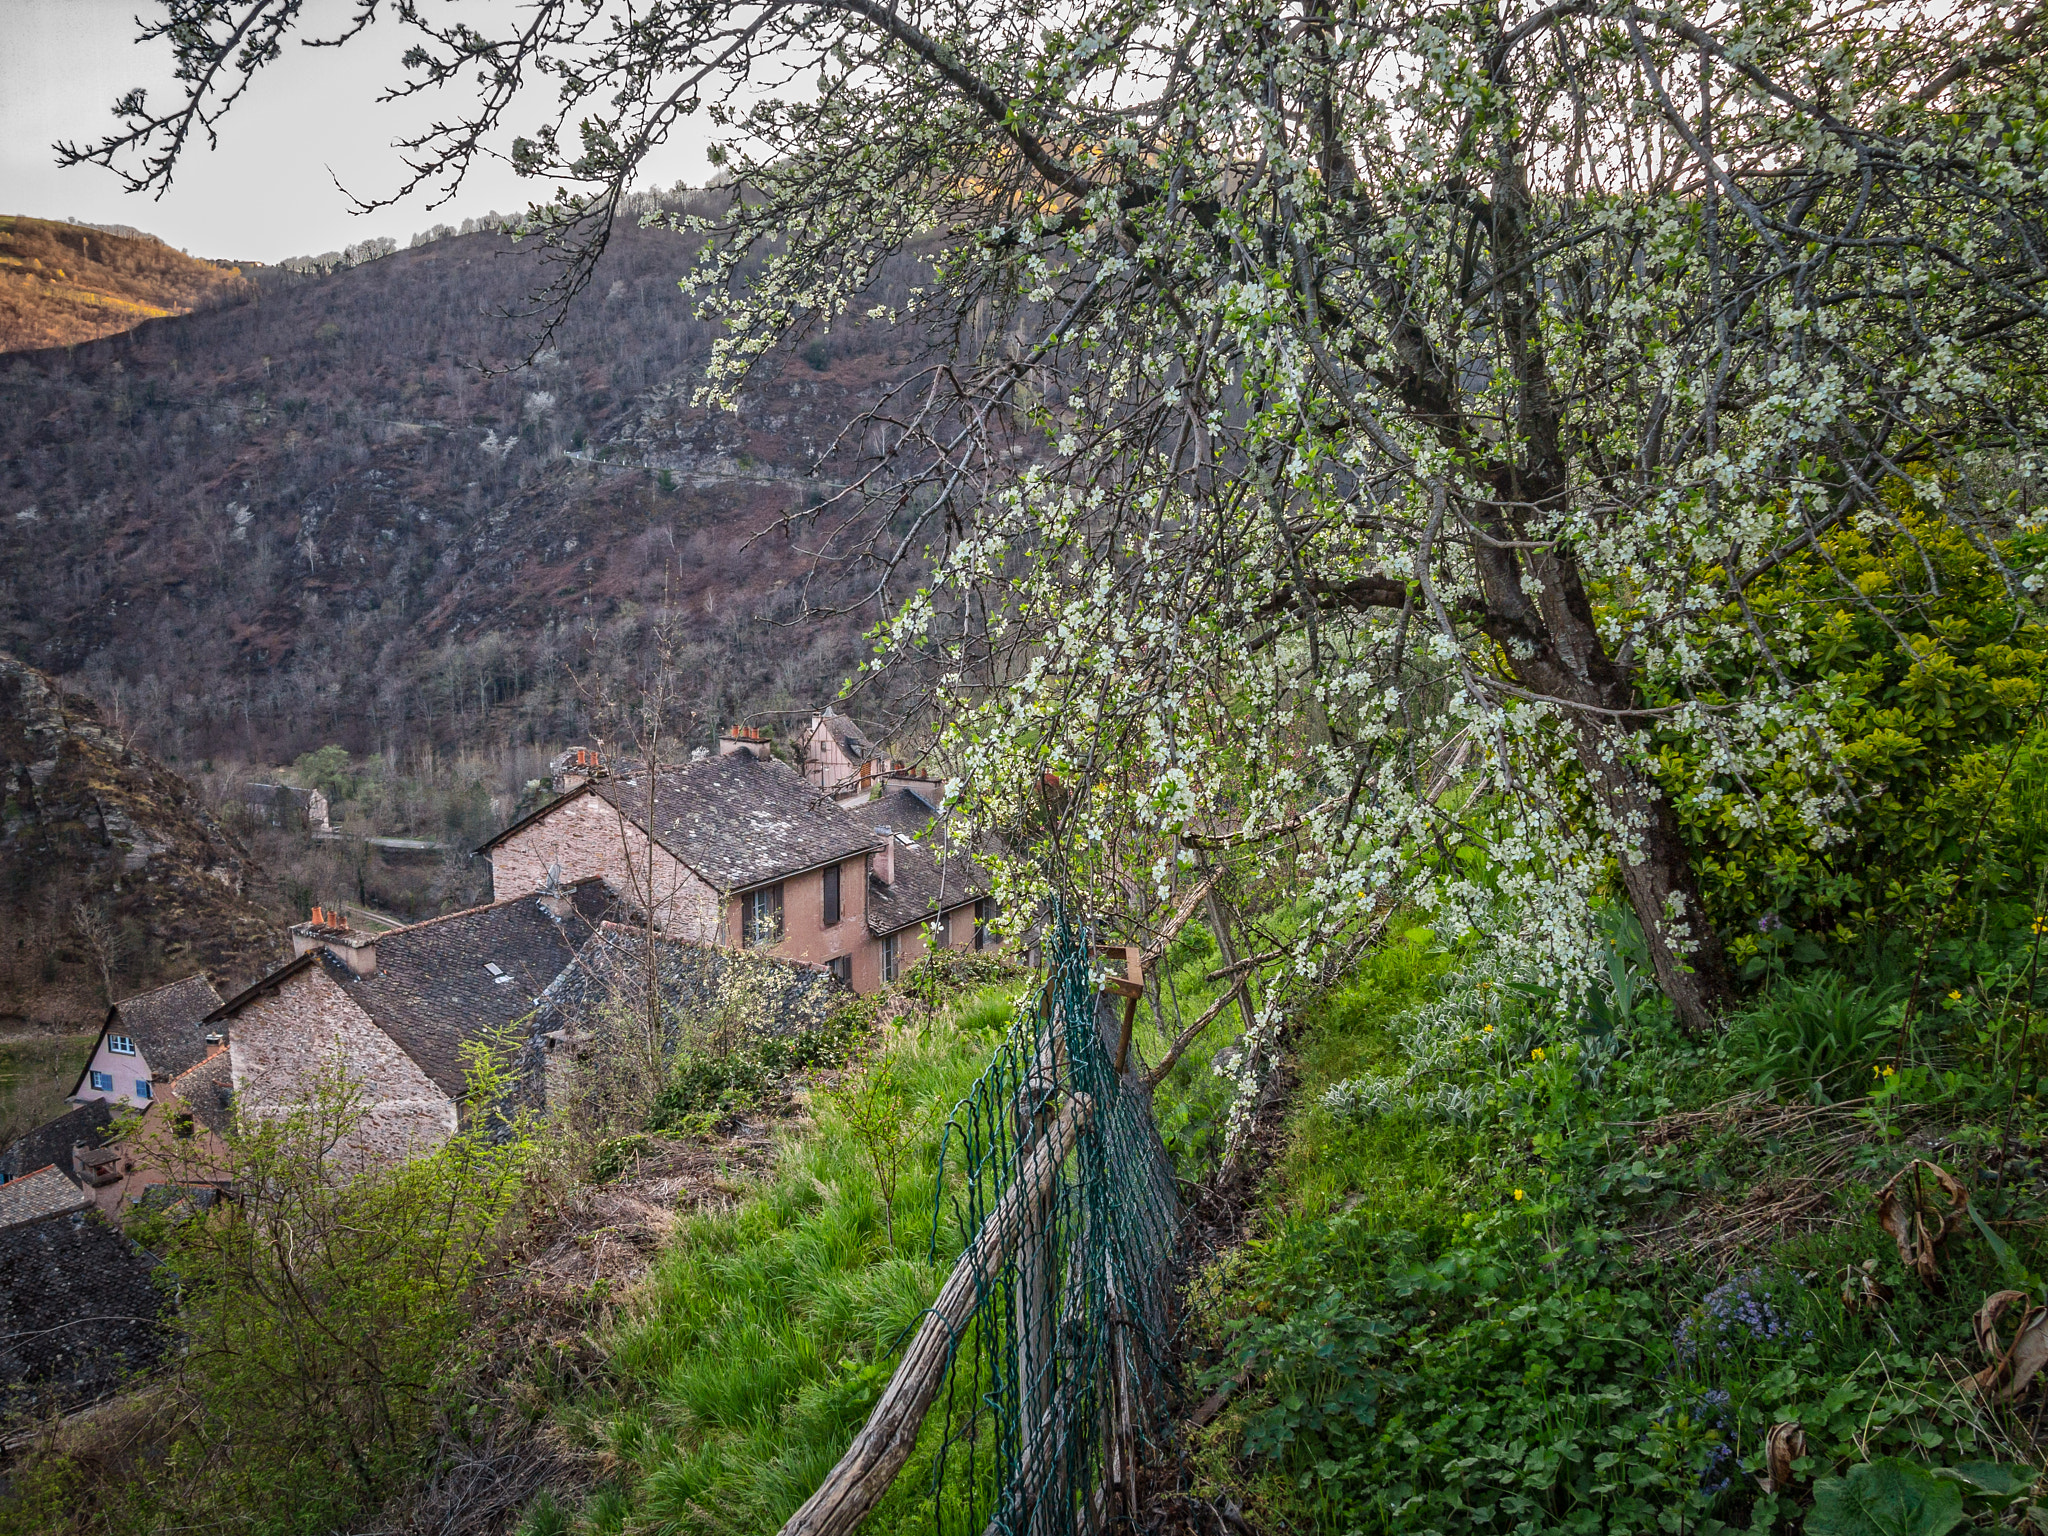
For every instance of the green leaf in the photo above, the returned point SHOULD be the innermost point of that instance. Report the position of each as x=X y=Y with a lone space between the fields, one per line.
x=1989 y=1484
x=1885 y=1498
x=2008 y=1263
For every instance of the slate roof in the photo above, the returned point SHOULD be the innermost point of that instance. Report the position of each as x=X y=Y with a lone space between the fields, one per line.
x=436 y=987
x=168 y=1025
x=207 y=1091
x=781 y=996
x=929 y=878
x=739 y=821
x=52 y=1142
x=46 y=1192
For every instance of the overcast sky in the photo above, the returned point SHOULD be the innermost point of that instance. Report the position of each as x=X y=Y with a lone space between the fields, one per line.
x=266 y=192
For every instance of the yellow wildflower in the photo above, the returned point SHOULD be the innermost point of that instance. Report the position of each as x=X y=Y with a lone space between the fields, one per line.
x=1518 y=1194
x=1487 y=1030
x=1537 y=1054
x=1955 y=997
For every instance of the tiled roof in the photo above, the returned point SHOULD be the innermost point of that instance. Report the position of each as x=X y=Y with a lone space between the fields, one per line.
x=454 y=979
x=52 y=1142
x=780 y=996
x=207 y=1091
x=168 y=1025
x=458 y=978
x=739 y=821
x=930 y=877
x=46 y=1192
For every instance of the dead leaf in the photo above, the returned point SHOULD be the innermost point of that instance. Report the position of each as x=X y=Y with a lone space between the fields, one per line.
x=1861 y=1288
x=1783 y=1445
x=2013 y=1365
x=1917 y=1222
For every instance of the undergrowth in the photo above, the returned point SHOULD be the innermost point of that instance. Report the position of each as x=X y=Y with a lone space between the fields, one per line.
x=1518 y=1269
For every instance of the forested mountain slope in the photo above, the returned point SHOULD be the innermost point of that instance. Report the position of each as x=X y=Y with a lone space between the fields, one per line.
x=113 y=876
x=310 y=517
x=66 y=283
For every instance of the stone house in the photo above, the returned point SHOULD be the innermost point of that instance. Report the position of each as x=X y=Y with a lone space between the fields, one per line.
x=148 y=1040
x=391 y=1012
x=735 y=849
x=287 y=807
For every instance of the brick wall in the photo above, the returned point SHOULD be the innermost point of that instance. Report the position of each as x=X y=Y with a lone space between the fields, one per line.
x=584 y=836
x=286 y=1038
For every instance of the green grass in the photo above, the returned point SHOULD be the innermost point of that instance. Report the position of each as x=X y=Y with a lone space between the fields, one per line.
x=762 y=1337
x=36 y=1072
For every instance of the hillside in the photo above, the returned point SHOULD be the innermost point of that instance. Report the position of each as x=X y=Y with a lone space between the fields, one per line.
x=61 y=284
x=113 y=877
x=310 y=516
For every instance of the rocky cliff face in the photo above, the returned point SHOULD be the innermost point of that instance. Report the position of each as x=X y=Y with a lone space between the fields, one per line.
x=113 y=876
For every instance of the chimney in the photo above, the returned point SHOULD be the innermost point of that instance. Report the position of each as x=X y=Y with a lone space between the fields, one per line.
x=330 y=931
x=743 y=738
x=575 y=768
x=885 y=856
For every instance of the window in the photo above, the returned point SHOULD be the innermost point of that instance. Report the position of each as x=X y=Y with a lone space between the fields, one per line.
x=761 y=917
x=142 y=1088
x=497 y=975
x=831 y=895
x=181 y=1127
x=842 y=967
x=102 y=1082
x=985 y=922
x=121 y=1045
x=892 y=956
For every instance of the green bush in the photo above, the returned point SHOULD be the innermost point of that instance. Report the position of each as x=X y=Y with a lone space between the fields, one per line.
x=1920 y=693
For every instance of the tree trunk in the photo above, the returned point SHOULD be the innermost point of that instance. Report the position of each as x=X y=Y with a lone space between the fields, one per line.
x=1656 y=872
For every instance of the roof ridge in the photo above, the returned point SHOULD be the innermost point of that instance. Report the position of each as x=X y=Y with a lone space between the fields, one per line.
x=447 y=917
x=136 y=997
x=196 y=1066
x=46 y=1168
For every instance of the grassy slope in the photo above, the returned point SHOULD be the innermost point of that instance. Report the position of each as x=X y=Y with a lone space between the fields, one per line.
x=758 y=1344
x=36 y=1072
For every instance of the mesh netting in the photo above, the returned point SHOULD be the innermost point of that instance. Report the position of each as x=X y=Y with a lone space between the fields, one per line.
x=1052 y=1394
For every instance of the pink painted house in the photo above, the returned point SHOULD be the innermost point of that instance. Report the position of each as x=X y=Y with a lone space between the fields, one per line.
x=147 y=1040
x=840 y=757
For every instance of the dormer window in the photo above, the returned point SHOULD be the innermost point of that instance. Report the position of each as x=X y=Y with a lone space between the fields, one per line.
x=121 y=1045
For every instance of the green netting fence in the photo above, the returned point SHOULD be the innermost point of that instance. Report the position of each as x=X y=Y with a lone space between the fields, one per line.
x=1053 y=1394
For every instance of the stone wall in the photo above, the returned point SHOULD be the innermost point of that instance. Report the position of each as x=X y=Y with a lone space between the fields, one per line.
x=583 y=836
x=286 y=1039
x=78 y=1312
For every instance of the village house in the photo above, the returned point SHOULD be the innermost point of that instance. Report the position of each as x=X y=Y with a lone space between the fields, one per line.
x=743 y=851
x=287 y=807
x=147 y=1040
x=840 y=757
x=392 y=1011
x=735 y=849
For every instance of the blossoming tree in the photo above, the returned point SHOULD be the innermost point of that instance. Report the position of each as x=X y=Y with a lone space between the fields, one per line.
x=1338 y=405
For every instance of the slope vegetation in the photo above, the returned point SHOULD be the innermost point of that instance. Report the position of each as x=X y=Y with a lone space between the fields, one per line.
x=61 y=284
x=341 y=512
x=113 y=877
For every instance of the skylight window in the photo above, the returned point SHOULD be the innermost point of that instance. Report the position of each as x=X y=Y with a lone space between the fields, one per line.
x=497 y=975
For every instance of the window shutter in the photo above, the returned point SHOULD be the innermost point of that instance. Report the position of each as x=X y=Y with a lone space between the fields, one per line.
x=831 y=895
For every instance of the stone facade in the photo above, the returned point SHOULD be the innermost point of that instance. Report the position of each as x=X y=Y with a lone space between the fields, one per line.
x=282 y=1041
x=584 y=836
